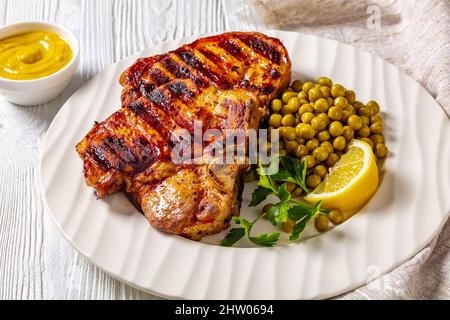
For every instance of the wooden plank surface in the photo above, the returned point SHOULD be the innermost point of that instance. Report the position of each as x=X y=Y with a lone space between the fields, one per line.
x=35 y=261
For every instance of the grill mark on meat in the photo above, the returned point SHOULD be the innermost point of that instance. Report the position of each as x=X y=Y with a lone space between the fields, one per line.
x=190 y=59
x=158 y=77
x=265 y=88
x=182 y=72
x=232 y=48
x=180 y=90
x=152 y=138
x=100 y=158
x=117 y=146
x=214 y=58
x=178 y=70
x=151 y=117
x=150 y=152
x=167 y=103
x=262 y=47
x=146 y=88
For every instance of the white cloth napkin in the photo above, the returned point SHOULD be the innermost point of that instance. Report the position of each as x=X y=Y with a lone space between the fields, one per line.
x=413 y=35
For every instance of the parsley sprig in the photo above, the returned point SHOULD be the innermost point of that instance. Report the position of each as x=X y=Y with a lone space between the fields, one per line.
x=273 y=182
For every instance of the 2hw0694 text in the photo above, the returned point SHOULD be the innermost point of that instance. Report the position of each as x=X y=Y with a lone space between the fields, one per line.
x=225 y=309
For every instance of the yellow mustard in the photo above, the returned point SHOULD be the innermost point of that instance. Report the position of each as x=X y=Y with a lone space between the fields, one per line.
x=33 y=55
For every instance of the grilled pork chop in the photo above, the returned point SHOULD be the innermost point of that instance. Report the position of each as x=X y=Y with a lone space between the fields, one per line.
x=223 y=82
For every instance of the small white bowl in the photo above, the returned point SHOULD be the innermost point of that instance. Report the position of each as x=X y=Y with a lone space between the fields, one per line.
x=40 y=90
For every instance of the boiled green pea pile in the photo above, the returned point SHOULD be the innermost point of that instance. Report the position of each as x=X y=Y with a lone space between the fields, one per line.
x=317 y=121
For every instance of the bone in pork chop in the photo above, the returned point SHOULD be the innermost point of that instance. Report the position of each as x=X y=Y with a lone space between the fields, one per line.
x=223 y=82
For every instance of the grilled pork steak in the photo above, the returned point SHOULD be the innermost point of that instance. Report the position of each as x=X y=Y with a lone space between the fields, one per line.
x=222 y=82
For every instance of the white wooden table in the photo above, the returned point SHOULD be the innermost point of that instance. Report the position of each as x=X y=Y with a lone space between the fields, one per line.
x=35 y=261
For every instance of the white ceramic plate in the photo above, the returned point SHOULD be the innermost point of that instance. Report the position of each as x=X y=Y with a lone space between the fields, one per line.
x=407 y=211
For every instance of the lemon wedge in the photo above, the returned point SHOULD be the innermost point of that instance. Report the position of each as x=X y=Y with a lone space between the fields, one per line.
x=351 y=182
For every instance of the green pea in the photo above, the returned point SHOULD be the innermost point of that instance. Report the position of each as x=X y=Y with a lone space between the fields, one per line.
x=377 y=138
x=295 y=194
x=323 y=135
x=291 y=146
x=365 y=120
x=349 y=107
x=305 y=108
x=275 y=120
x=327 y=145
x=330 y=101
x=293 y=104
x=301 y=151
x=336 y=217
x=332 y=159
x=355 y=122
x=368 y=141
x=351 y=96
x=285 y=110
x=381 y=150
x=319 y=123
x=312 y=144
x=297 y=85
x=288 y=120
x=321 y=105
x=348 y=133
x=335 y=113
x=375 y=106
x=340 y=102
x=364 y=131
x=321 y=170
x=336 y=128
x=307 y=117
x=310 y=161
x=306 y=130
x=345 y=115
x=307 y=86
x=326 y=91
x=321 y=223
x=313 y=181
x=325 y=117
x=288 y=133
x=314 y=94
x=320 y=153
x=337 y=90
x=339 y=143
x=290 y=186
x=365 y=111
x=276 y=105
x=288 y=95
x=376 y=128
x=302 y=95
x=300 y=140
x=324 y=81
x=376 y=118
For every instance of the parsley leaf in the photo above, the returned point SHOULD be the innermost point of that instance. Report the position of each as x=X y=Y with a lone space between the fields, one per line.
x=233 y=236
x=272 y=180
x=300 y=226
x=247 y=225
x=297 y=212
x=278 y=213
x=283 y=194
x=296 y=170
x=267 y=240
x=259 y=195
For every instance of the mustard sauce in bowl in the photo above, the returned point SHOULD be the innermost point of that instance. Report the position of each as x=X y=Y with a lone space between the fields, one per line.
x=32 y=55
